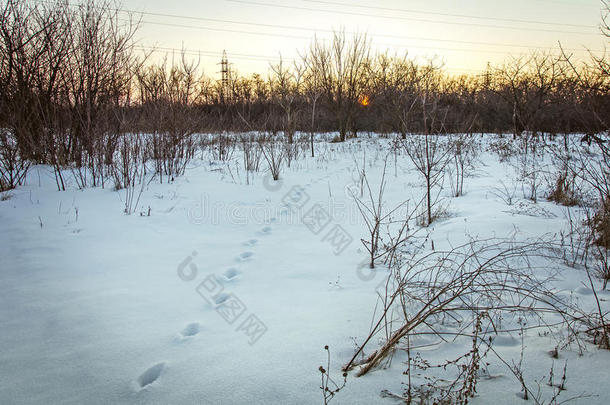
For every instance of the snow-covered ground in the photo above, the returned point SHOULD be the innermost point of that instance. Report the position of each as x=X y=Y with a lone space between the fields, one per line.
x=227 y=294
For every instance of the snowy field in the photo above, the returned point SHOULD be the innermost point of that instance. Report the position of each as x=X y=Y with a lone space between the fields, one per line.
x=220 y=289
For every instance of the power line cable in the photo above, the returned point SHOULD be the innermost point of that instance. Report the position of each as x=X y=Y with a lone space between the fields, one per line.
x=224 y=30
x=307 y=38
x=332 y=31
x=302 y=37
x=335 y=3
x=158 y=14
x=344 y=12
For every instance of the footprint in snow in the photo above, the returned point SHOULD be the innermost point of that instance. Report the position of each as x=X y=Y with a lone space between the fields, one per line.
x=220 y=299
x=231 y=274
x=151 y=375
x=251 y=242
x=245 y=256
x=266 y=230
x=190 y=330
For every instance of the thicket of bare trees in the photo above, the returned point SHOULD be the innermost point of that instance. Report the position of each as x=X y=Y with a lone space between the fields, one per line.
x=72 y=83
x=66 y=75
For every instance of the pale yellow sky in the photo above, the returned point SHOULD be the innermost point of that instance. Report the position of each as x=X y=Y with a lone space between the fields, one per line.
x=464 y=34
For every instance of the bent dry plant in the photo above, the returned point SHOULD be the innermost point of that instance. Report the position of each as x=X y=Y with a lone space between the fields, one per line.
x=478 y=286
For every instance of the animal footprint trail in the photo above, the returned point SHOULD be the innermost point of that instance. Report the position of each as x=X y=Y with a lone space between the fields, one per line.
x=190 y=330
x=244 y=256
x=231 y=274
x=251 y=242
x=151 y=375
x=221 y=298
x=266 y=230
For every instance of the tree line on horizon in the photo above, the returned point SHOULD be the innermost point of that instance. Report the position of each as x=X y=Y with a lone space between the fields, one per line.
x=73 y=80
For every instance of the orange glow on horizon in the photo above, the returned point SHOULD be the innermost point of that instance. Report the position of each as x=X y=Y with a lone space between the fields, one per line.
x=364 y=100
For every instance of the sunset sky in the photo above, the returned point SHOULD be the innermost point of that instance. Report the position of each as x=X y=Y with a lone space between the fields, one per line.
x=465 y=34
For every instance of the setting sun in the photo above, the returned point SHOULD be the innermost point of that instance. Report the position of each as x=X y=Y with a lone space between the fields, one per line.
x=364 y=100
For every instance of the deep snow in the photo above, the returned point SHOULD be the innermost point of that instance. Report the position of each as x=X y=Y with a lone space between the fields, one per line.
x=225 y=294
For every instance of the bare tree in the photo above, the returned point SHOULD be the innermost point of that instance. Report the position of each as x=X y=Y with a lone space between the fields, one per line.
x=285 y=84
x=313 y=90
x=167 y=95
x=527 y=84
x=99 y=72
x=340 y=67
x=393 y=82
x=428 y=152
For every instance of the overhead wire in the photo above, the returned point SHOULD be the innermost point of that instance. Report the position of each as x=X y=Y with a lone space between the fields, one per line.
x=368 y=15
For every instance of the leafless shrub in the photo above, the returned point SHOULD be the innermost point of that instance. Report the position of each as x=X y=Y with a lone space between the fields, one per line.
x=459 y=380
x=292 y=151
x=600 y=224
x=595 y=252
x=274 y=152
x=100 y=68
x=602 y=264
x=167 y=94
x=563 y=191
x=529 y=168
x=593 y=171
x=464 y=155
x=375 y=217
x=505 y=192
x=430 y=155
x=574 y=242
x=503 y=147
x=223 y=147
x=478 y=286
x=171 y=153
x=65 y=74
x=129 y=170
x=581 y=247
x=251 y=152
x=13 y=168
x=597 y=323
